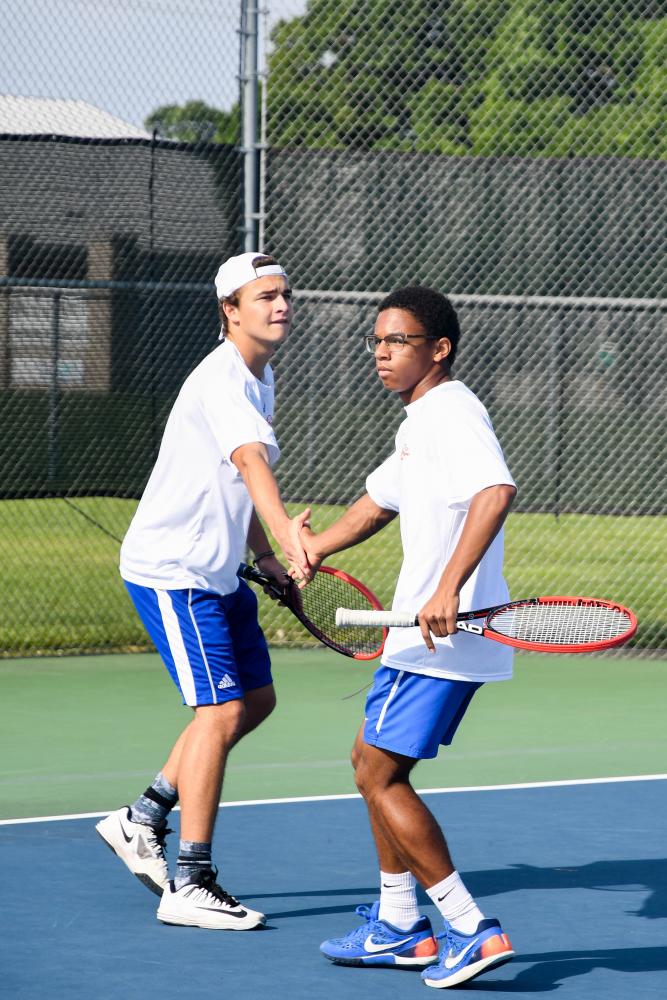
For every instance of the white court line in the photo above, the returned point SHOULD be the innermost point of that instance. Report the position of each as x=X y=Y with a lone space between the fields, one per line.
x=336 y=798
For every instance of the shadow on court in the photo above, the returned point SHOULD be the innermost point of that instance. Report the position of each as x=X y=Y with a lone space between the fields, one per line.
x=603 y=876
x=549 y=971
x=580 y=894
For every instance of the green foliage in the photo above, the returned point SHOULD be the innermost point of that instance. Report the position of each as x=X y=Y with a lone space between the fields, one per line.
x=507 y=77
x=61 y=591
x=194 y=122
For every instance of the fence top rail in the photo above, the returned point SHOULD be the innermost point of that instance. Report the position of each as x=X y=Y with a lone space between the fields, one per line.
x=49 y=284
x=321 y=294
x=564 y=301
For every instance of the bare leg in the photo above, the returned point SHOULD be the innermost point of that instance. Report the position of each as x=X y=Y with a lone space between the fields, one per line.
x=258 y=706
x=388 y=857
x=170 y=769
x=203 y=755
x=407 y=836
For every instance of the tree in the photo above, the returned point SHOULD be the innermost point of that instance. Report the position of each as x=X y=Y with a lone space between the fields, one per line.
x=513 y=77
x=194 y=122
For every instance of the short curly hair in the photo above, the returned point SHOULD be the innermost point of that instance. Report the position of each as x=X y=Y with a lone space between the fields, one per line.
x=434 y=311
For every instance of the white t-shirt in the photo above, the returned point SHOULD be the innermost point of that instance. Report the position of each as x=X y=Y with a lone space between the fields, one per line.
x=190 y=527
x=446 y=452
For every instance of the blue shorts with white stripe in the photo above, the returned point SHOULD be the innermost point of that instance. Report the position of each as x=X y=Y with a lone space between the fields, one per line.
x=212 y=645
x=412 y=714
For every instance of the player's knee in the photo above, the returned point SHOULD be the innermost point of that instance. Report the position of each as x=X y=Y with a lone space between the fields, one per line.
x=365 y=777
x=259 y=705
x=269 y=703
x=357 y=752
x=359 y=780
x=223 y=723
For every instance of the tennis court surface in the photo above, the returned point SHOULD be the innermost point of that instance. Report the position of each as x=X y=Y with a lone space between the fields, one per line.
x=577 y=873
x=573 y=864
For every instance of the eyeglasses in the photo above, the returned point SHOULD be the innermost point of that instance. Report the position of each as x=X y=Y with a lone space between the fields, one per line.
x=394 y=342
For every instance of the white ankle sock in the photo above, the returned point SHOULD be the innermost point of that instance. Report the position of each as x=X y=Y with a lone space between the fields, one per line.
x=456 y=904
x=398 y=900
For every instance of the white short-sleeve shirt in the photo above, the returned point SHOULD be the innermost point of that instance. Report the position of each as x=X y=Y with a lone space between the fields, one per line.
x=191 y=525
x=446 y=452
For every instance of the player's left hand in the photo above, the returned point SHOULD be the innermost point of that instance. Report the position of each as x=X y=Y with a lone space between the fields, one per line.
x=271 y=566
x=438 y=617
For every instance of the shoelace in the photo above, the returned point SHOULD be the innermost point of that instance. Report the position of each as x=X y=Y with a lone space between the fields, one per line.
x=371 y=927
x=450 y=942
x=156 y=839
x=207 y=881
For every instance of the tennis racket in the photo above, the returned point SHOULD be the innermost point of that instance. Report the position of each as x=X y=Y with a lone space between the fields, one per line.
x=315 y=607
x=542 y=624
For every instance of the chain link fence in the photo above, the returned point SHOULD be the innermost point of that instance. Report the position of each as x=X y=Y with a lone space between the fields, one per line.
x=510 y=154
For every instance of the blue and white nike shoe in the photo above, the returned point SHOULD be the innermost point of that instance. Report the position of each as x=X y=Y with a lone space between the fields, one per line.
x=465 y=956
x=376 y=942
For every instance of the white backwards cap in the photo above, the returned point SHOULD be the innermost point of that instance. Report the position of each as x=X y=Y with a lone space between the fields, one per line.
x=239 y=271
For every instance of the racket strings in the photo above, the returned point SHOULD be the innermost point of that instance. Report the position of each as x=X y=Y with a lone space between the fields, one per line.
x=318 y=603
x=560 y=624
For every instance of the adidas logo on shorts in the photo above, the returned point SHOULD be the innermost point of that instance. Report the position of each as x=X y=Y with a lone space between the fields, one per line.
x=226 y=682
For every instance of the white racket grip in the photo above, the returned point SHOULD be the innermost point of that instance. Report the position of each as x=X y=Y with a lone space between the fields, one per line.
x=375 y=619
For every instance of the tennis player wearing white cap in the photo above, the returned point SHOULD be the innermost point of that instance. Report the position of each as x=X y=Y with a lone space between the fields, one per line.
x=179 y=561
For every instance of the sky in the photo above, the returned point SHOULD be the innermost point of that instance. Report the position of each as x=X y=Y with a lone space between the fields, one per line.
x=126 y=56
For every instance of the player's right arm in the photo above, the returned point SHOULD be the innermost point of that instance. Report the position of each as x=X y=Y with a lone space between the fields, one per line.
x=484 y=519
x=363 y=519
x=252 y=461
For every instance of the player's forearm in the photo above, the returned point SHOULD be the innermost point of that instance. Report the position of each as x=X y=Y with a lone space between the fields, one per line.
x=258 y=540
x=484 y=520
x=363 y=519
x=265 y=495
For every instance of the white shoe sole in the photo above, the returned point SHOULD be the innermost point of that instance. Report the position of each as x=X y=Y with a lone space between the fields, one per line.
x=470 y=971
x=373 y=962
x=217 y=922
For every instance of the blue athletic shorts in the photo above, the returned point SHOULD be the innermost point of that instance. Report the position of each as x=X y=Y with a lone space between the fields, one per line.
x=412 y=714
x=211 y=644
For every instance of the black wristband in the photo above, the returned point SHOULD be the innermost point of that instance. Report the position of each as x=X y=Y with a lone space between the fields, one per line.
x=262 y=555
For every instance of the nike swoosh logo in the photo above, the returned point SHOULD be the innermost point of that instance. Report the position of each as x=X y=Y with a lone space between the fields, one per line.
x=453 y=960
x=371 y=946
x=227 y=913
x=128 y=840
x=385 y=885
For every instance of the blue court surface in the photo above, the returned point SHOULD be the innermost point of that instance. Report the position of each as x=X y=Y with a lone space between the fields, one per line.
x=576 y=872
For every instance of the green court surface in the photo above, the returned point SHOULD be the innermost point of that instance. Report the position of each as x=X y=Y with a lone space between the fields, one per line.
x=86 y=734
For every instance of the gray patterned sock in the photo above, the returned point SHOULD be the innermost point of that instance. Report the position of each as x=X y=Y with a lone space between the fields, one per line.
x=153 y=806
x=193 y=857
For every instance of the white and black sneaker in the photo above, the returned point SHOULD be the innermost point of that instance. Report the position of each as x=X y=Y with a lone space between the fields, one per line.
x=202 y=903
x=141 y=847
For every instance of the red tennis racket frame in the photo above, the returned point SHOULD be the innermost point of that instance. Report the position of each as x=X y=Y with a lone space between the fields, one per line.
x=539 y=647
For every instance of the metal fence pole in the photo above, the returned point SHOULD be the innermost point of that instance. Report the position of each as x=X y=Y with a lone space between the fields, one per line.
x=54 y=392
x=249 y=148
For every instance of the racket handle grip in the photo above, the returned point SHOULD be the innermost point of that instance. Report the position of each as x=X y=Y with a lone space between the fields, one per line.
x=375 y=619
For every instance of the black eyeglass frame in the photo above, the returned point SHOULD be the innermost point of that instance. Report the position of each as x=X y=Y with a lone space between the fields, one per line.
x=371 y=342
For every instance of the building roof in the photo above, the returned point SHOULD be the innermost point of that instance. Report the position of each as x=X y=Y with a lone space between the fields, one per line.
x=49 y=116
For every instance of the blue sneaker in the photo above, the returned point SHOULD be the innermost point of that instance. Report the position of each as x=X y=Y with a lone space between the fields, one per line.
x=378 y=943
x=465 y=956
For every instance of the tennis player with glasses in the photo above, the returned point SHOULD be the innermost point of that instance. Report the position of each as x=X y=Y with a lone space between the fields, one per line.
x=179 y=561
x=448 y=481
